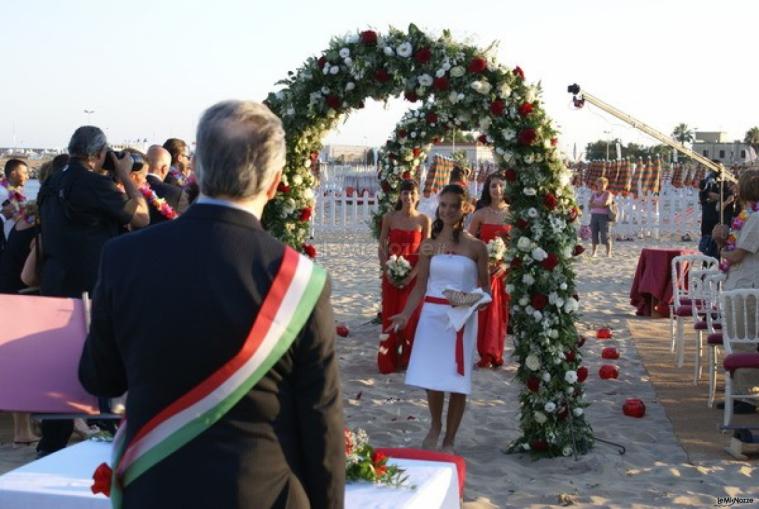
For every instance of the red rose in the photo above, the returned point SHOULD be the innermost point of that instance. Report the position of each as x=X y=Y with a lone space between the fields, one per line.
x=342 y=331
x=525 y=109
x=522 y=224
x=526 y=136
x=381 y=75
x=416 y=151
x=573 y=213
x=533 y=383
x=539 y=445
x=581 y=340
x=497 y=107
x=314 y=155
x=582 y=373
x=283 y=188
x=378 y=458
x=347 y=441
x=410 y=96
x=102 y=477
x=483 y=139
x=333 y=101
x=431 y=117
x=519 y=72
x=368 y=37
x=305 y=214
x=578 y=250
x=550 y=262
x=423 y=55
x=550 y=201
x=309 y=250
x=554 y=142
x=570 y=356
x=634 y=408
x=477 y=64
x=604 y=333
x=440 y=83
x=380 y=471
x=609 y=353
x=608 y=371
x=322 y=60
x=539 y=301
x=516 y=263
x=406 y=175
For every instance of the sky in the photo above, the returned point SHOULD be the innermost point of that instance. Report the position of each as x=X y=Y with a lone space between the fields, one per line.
x=148 y=68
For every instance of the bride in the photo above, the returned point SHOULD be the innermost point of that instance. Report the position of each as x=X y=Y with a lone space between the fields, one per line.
x=441 y=360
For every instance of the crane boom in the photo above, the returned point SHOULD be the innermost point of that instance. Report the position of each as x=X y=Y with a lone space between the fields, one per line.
x=585 y=96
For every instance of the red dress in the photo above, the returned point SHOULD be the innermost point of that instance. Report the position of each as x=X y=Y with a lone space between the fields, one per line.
x=394 y=352
x=494 y=319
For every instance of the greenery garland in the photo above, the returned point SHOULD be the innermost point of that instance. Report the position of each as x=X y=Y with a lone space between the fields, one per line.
x=459 y=87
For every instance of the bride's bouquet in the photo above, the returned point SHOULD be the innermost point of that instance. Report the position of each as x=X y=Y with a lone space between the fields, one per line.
x=496 y=250
x=363 y=463
x=397 y=268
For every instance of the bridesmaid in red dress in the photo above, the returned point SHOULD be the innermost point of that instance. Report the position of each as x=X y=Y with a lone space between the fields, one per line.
x=487 y=223
x=403 y=231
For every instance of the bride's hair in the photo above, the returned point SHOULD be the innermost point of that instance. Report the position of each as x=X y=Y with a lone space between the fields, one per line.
x=437 y=225
x=406 y=185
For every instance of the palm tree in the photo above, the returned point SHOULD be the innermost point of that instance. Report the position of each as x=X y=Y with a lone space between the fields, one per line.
x=752 y=137
x=683 y=133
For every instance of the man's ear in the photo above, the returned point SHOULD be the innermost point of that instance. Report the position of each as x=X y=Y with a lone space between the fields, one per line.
x=271 y=190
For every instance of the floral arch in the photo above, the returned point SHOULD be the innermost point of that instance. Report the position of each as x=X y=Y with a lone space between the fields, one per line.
x=462 y=87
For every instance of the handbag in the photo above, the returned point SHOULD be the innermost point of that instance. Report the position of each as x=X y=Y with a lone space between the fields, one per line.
x=613 y=212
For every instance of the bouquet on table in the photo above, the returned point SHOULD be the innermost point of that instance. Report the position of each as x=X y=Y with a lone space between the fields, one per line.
x=496 y=250
x=397 y=268
x=363 y=463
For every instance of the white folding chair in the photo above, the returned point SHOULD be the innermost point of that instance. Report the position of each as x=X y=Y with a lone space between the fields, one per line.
x=700 y=308
x=682 y=301
x=740 y=334
x=713 y=286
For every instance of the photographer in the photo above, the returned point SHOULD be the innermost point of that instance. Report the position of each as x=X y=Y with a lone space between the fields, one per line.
x=709 y=197
x=80 y=211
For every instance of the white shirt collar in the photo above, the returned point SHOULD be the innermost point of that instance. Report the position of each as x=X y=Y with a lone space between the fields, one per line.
x=207 y=200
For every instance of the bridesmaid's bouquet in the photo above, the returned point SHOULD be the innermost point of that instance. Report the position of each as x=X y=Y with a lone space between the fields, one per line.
x=397 y=268
x=496 y=250
x=363 y=463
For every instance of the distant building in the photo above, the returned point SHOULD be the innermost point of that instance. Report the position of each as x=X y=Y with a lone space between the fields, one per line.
x=344 y=153
x=475 y=152
x=715 y=145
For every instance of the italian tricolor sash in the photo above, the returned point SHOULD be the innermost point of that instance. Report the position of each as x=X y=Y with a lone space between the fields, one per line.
x=283 y=313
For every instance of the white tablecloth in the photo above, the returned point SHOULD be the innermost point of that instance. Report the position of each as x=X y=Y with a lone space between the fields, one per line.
x=62 y=481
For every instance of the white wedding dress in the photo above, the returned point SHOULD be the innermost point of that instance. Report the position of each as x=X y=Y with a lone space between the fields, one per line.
x=433 y=356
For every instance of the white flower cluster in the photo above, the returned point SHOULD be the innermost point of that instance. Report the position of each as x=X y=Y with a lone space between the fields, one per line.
x=397 y=268
x=496 y=249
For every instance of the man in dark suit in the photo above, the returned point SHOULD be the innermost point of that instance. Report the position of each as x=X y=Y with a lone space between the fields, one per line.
x=159 y=162
x=281 y=444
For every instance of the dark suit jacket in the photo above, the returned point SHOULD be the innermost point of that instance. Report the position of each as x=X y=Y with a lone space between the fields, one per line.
x=173 y=195
x=159 y=329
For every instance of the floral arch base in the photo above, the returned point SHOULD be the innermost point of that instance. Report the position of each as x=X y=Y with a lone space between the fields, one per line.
x=461 y=87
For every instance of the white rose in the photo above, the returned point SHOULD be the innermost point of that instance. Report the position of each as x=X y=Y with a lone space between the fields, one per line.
x=567 y=251
x=563 y=286
x=446 y=65
x=508 y=134
x=569 y=390
x=567 y=451
x=290 y=111
x=345 y=53
x=481 y=86
x=537 y=316
x=440 y=73
x=349 y=86
x=325 y=91
x=507 y=156
x=388 y=51
x=297 y=180
x=538 y=254
x=570 y=377
x=334 y=70
x=457 y=71
x=540 y=417
x=578 y=412
x=325 y=69
x=546 y=376
x=425 y=80
x=529 y=191
x=529 y=159
x=550 y=407
x=531 y=95
x=524 y=244
x=571 y=305
x=504 y=90
x=509 y=288
x=529 y=310
x=552 y=297
x=453 y=98
x=524 y=301
x=528 y=280
x=485 y=123
x=553 y=334
x=348 y=61
x=526 y=446
x=532 y=362
x=559 y=302
x=405 y=50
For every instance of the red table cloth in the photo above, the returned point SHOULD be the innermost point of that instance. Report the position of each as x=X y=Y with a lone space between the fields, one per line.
x=653 y=278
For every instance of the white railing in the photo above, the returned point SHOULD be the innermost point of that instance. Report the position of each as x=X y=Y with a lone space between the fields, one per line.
x=337 y=211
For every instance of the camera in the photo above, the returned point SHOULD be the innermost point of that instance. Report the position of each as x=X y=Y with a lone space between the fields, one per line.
x=137 y=160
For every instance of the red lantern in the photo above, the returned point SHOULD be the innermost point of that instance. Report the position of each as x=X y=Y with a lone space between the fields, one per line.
x=343 y=331
x=608 y=371
x=610 y=353
x=634 y=408
x=603 y=333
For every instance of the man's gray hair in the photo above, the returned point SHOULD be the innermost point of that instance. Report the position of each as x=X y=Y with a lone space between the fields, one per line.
x=240 y=147
x=87 y=141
